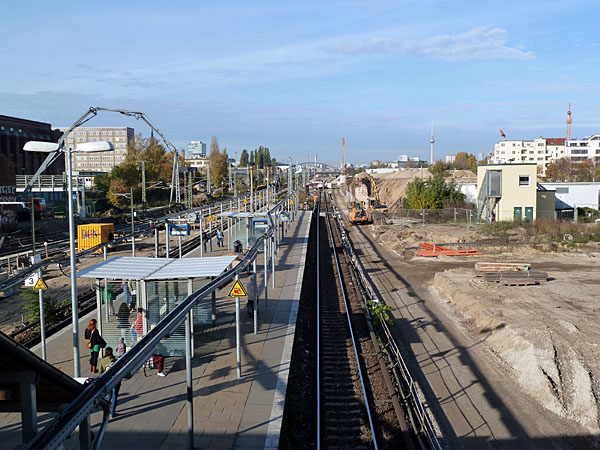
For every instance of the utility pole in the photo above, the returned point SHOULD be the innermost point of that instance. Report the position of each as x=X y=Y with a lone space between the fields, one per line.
x=132 y=224
x=208 y=178
x=143 y=163
x=32 y=225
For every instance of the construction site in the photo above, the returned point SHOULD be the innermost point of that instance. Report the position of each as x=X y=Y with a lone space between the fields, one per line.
x=500 y=317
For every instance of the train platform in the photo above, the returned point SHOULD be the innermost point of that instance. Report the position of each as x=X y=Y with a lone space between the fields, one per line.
x=229 y=412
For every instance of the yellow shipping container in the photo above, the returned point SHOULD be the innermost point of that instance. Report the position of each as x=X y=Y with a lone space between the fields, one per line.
x=93 y=234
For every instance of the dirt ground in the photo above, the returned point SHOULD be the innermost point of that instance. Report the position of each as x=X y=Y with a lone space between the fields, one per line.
x=547 y=336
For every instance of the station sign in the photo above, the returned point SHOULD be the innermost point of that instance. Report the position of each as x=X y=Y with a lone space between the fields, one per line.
x=179 y=229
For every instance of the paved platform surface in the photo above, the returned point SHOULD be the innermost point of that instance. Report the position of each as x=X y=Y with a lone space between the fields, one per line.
x=229 y=412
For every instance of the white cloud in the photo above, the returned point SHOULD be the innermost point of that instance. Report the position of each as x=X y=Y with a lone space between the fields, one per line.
x=477 y=43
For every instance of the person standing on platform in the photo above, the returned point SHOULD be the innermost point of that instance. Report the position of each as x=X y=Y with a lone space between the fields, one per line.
x=219 y=238
x=123 y=318
x=94 y=342
x=105 y=364
x=137 y=327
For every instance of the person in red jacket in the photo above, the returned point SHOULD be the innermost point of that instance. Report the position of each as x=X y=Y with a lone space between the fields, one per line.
x=137 y=327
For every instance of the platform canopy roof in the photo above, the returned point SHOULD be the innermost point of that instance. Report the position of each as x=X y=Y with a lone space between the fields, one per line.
x=132 y=268
x=243 y=215
x=211 y=266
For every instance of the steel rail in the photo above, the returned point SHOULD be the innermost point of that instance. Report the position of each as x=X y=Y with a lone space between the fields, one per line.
x=88 y=401
x=419 y=419
x=348 y=308
x=318 y=327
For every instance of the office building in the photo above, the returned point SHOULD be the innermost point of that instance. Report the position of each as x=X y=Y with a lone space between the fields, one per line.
x=14 y=133
x=99 y=162
x=196 y=149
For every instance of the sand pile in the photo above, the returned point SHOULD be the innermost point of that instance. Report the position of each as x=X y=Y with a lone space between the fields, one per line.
x=547 y=335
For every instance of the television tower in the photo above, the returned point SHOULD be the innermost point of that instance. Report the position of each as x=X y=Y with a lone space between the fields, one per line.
x=569 y=123
x=431 y=141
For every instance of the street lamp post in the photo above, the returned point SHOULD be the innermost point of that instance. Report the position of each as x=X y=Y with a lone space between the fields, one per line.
x=88 y=147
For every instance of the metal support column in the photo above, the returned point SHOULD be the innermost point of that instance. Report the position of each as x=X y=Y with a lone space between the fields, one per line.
x=188 y=379
x=273 y=260
x=179 y=247
x=85 y=434
x=265 y=249
x=201 y=237
x=156 y=242
x=254 y=279
x=42 y=321
x=28 y=406
x=167 y=239
x=238 y=335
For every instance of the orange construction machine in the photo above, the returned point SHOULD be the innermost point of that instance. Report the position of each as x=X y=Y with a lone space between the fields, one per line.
x=359 y=214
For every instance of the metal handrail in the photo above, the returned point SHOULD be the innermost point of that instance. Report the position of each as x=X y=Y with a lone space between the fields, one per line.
x=88 y=400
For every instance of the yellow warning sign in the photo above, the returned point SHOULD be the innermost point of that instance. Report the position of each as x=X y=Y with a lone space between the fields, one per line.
x=237 y=290
x=245 y=200
x=260 y=196
x=40 y=284
x=210 y=219
x=291 y=202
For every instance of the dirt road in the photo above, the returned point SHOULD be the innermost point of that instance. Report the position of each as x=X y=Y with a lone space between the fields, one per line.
x=475 y=401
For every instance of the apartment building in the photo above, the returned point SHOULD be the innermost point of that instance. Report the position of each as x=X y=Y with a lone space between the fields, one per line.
x=581 y=149
x=541 y=151
x=99 y=162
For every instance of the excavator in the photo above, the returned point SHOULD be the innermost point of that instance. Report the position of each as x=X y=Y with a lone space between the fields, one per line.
x=359 y=214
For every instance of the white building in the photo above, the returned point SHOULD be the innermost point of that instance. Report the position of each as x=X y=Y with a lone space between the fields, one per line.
x=99 y=162
x=196 y=149
x=575 y=194
x=450 y=159
x=541 y=151
x=580 y=149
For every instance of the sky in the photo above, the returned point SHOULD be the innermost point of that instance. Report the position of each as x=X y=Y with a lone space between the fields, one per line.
x=296 y=76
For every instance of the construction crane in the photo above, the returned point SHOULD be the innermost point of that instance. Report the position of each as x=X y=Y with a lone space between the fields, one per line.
x=89 y=114
x=503 y=135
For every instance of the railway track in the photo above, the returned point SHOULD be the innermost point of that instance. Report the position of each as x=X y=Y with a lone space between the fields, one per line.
x=343 y=413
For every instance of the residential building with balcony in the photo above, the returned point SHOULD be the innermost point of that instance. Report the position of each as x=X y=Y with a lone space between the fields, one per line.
x=541 y=151
x=581 y=149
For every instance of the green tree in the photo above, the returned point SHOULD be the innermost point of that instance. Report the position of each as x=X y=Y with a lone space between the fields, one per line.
x=219 y=166
x=439 y=168
x=244 y=158
x=118 y=186
x=465 y=161
x=559 y=170
x=433 y=193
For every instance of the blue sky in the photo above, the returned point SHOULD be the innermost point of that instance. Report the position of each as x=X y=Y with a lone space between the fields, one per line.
x=297 y=76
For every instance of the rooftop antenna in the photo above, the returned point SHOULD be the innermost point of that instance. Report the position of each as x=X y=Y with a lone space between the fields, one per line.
x=503 y=134
x=569 y=123
x=431 y=141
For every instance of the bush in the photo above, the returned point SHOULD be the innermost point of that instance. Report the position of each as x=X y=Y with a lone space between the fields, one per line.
x=31 y=307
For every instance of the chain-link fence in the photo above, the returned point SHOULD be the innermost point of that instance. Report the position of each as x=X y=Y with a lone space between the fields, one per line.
x=462 y=216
